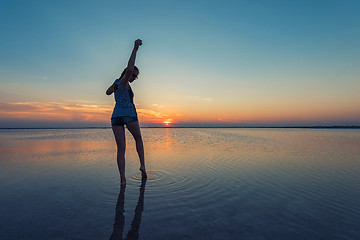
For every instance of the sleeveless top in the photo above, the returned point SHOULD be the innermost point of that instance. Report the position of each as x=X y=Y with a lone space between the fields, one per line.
x=124 y=101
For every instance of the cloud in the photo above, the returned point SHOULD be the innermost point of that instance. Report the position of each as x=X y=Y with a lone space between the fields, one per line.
x=83 y=111
x=157 y=105
x=9 y=108
x=77 y=101
x=54 y=111
x=156 y=116
x=148 y=115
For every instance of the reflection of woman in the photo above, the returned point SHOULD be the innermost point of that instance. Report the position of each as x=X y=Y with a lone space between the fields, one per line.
x=118 y=226
x=125 y=114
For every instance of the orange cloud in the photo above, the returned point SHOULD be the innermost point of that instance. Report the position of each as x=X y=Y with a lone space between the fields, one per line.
x=151 y=116
x=87 y=112
x=54 y=111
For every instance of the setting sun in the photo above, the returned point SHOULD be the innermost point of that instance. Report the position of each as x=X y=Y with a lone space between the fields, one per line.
x=167 y=123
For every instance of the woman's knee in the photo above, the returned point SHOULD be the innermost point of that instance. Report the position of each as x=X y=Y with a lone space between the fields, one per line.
x=138 y=138
x=121 y=147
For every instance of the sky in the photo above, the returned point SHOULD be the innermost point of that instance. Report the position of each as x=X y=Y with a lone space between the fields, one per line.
x=202 y=63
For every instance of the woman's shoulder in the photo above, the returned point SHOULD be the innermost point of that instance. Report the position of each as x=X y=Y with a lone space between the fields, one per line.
x=118 y=82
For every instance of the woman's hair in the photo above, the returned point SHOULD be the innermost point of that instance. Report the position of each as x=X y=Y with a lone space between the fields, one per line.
x=123 y=73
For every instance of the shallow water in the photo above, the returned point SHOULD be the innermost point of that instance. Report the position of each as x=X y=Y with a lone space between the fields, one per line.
x=203 y=184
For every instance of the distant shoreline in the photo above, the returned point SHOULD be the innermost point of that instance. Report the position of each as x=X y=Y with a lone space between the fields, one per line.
x=286 y=127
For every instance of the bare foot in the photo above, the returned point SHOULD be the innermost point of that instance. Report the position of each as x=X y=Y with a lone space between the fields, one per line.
x=143 y=172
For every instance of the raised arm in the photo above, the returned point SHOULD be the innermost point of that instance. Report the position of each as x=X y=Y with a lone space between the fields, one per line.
x=131 y=63
x=129 y=69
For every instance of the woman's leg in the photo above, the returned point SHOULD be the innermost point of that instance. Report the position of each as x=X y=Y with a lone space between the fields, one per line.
x=119 y=133
x=134 y=129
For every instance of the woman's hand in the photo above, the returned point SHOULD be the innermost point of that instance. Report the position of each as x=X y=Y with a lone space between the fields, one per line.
x=138 y=43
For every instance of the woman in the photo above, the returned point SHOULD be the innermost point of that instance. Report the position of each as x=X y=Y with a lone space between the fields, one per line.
x=125 y=114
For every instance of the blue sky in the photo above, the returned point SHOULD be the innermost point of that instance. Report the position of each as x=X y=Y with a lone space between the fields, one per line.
x=229 y=62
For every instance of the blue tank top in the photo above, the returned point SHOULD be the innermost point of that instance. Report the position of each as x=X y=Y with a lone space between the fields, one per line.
x=124 y=101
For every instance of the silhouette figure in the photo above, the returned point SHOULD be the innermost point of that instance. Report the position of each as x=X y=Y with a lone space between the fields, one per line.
x=124 y=113
x=118 y=227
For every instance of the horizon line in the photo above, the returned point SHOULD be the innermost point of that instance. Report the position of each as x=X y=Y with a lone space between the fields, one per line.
x=319 y=127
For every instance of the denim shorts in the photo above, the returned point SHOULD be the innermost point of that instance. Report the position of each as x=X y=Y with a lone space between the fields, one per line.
x=120 y=121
